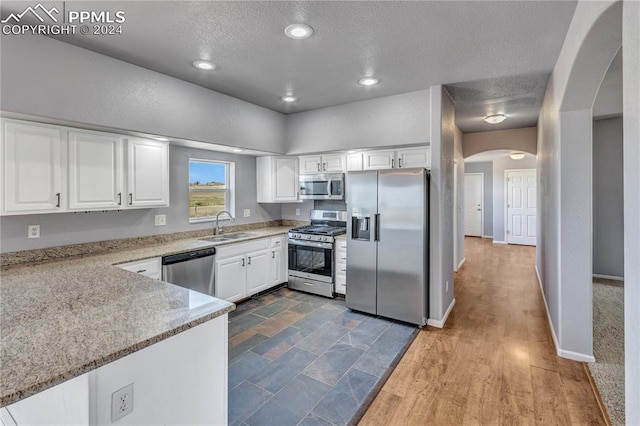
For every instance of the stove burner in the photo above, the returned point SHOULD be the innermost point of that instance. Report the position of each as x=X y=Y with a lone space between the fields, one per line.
x=320 y=230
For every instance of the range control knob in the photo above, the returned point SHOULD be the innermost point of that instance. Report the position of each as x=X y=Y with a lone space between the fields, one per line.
x=308 y=237
x=324 y=238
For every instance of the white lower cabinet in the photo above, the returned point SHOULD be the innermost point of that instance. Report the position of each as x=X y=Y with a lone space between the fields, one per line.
x=179 y=380
x=244 y=269
x=341 y=266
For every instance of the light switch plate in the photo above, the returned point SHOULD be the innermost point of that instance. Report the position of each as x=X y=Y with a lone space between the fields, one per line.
x=161 y=220
x=297 y=212
x=247 y=212
x=34 y=231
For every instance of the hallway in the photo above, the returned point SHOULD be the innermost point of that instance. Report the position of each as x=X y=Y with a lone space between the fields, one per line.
x=494 y=362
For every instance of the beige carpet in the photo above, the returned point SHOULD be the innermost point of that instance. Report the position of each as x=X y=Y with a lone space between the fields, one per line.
x=608 y=346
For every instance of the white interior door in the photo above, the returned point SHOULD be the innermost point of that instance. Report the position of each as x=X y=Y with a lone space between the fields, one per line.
x=473 y=205
x=521 y=207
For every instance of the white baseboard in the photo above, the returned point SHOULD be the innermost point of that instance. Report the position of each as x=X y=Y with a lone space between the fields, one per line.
x=487 y=236
x=499 y=242
x=576 y=356
x=460 y=264
x=440 y=323
x=608 y=277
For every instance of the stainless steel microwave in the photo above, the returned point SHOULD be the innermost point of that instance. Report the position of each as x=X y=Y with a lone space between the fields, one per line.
x=325 y=186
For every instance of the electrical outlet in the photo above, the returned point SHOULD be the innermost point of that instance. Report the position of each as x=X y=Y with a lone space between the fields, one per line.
x=121 y=403
x=247 y=212
x=161 y=220
x=34 y=231
x=447 y=287
x=297 y=212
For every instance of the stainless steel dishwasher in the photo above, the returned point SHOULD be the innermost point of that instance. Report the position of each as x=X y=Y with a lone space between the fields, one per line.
x=193 y=270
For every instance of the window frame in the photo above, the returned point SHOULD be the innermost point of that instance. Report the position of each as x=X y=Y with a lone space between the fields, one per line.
x=229 y=190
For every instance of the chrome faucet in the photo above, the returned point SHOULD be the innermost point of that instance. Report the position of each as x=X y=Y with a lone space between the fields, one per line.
x=216 y=230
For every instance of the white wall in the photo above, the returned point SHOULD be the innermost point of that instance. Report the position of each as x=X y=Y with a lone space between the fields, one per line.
x=390 y=120
x=500 y=164
x=631 y=84
x=441 y=199
x=58 y=229
x=107 y=92
x=459 y=206
x=564 y=170
x=608 y=202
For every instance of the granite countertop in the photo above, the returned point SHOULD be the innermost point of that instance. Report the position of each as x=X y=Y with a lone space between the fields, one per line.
x=61 y=319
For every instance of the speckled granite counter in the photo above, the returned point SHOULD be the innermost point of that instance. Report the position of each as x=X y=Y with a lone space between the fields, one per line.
x=61 y=319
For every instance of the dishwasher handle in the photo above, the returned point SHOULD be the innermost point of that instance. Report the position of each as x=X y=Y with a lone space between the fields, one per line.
x=185 y=257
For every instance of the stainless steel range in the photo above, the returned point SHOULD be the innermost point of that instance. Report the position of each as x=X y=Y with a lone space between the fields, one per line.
x=311 y=252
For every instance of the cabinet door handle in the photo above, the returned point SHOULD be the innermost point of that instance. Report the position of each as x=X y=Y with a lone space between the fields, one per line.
x=58 y=199
x=141 y=271
x=343 y=257
x=248 y=260
x=242 y=262
x=399 y=162
x=392 y=163
x=324 y=167
x=318 y=166
x=131 y=198
x=343 y=269
x=273 y=254
x=119 y=198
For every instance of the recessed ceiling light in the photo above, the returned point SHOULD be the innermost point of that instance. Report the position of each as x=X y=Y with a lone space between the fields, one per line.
x=495 y=118
x=161 y=139
x=288 y=98
x=368 y=81
x=298 y=31
x=237 y=150
x=204 y=65
x=517 y=155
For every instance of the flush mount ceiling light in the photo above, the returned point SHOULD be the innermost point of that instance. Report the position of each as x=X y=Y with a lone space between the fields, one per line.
x=298 y=31
x=495 y=118
x=161 y=139
x=517 y=155
x=204 y=65
x=237 y=150
x=352 y=151
x=368 y=81
x=288 y=98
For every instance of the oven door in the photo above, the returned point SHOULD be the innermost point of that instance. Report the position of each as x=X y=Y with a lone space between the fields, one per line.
x=327 y=186
x=311 y=260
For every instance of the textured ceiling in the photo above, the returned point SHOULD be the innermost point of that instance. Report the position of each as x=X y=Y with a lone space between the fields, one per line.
x=407 y=45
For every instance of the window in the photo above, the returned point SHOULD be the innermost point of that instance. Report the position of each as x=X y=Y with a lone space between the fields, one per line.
x=210 y=189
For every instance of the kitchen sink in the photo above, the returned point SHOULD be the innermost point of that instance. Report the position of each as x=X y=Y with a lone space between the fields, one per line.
x=219 y=238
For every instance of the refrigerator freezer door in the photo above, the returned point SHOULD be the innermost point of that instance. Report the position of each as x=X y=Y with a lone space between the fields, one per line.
x=402 y=245
x=362 y=201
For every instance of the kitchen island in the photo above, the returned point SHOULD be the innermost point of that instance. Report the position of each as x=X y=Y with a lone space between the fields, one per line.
x=64 y=319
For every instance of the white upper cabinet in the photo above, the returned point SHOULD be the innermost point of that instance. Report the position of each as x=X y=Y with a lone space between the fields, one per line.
x=331 y=163
x=34 y=168
x=277 y=179
x=148 y=173
x=52 y=169
x=354 y=162
x=398 y=159
x=95 y=171
x=414 y=157
x=379 y=160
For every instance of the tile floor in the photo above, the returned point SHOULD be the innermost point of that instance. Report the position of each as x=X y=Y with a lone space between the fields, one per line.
x=300 y=359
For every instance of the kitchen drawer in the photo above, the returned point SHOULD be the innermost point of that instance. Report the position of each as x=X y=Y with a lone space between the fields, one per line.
x=235 y=249
x=341 y=244
x=341 y=288
x=151 y=268
x=341 y=268
x=341 y=256
x=278 y=241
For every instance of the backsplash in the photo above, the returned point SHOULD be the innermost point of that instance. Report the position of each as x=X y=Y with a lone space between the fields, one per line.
x=98 y=247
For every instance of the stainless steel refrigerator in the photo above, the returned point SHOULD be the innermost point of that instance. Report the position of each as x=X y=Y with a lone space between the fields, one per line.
x=388 y=243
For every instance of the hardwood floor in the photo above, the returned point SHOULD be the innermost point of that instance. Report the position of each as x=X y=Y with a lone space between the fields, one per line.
x=494 y=361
